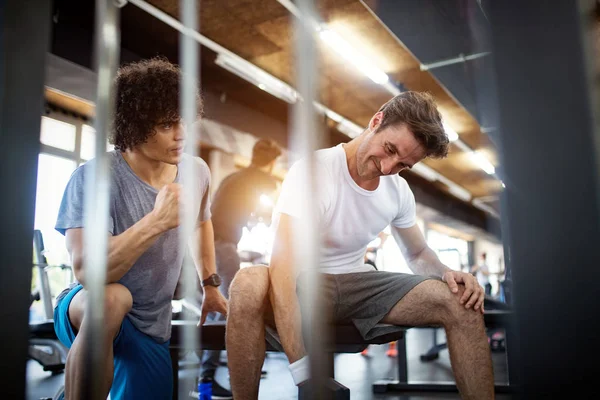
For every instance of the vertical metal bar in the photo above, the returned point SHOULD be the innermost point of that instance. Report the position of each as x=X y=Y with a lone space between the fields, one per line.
x=24 y=32
x=547 y=95
x=402 y=359
x=188 y=56
x=96 y=195
x=305 y=139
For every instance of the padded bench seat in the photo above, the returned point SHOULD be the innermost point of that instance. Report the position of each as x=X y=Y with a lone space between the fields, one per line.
x=347 y=337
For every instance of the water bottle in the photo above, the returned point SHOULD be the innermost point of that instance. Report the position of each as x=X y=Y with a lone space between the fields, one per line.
x=205 y=388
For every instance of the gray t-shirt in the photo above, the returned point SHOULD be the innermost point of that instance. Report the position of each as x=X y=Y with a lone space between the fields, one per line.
x=153 y=277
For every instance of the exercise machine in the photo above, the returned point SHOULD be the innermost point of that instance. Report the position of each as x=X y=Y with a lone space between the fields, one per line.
x=44 y=346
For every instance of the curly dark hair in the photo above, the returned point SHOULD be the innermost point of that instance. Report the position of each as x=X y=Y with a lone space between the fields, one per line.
x=420 y=113
x=147 y=95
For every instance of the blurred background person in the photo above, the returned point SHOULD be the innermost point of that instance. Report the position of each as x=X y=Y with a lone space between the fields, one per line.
x=234 y=202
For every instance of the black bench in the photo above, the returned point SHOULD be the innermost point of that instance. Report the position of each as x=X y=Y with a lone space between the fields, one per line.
x=347 y=340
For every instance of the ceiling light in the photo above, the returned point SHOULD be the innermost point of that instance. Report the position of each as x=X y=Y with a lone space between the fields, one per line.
x=258 y=77
x=459 y=192
x=349 y=129
x=452 y=135
x=342 y=47
x=424 y=171
x=482 y=162
x=334 y=116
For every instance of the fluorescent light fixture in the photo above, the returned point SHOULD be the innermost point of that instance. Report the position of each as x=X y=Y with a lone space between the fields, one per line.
x=349 y=129
x=454 y=189
x=459 y=192
x=482 y=162
x=452 y=135
x=334 y=116
x=426 y=172
x=482 y=206
x=342 y=47
x=258 y=77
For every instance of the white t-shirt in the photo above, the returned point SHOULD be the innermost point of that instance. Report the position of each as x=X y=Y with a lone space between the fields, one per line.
x=349 y=216
x=481 y=277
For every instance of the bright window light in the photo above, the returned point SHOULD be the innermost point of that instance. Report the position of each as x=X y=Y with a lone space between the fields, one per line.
x=88 y=143
x=266 y=200
x=58 y=134
x=342 y=47
x=482 y=162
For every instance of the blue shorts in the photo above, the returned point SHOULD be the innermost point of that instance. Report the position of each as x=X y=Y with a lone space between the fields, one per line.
x=142 y=366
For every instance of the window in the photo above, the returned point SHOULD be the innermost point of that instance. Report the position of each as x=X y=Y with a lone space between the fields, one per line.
x=66 y=142
x=53 y=174
x=58 y=134
x=451 y=251
x=88 y=143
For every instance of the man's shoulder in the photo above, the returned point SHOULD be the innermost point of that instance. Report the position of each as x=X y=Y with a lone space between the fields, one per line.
x=198 y=164
x=322 y=157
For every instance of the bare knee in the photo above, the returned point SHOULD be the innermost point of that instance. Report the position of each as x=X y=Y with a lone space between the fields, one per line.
x=457 y=315
x=117 y=303
x=249 y=290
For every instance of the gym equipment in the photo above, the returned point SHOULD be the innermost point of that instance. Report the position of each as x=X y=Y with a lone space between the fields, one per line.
x=493 y=319
x=44 y=346
x=347 y=340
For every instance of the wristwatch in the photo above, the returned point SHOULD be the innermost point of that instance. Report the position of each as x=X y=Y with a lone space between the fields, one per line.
x=213 y=280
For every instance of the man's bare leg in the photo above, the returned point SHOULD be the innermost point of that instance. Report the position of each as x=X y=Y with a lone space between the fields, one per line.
x=117 y=303
x=432 y=303
x=248 y=297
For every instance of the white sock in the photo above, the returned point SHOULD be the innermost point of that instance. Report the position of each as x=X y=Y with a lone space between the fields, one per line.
x=300 y=370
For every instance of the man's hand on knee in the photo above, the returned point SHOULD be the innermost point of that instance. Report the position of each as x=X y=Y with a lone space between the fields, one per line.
x=472 y=296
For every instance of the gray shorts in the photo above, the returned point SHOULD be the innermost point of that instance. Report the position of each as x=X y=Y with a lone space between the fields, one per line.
x=364 y=298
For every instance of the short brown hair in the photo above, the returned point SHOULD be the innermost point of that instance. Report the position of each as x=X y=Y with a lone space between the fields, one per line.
x=147 y=95
x=265 y=151
x=419 y=112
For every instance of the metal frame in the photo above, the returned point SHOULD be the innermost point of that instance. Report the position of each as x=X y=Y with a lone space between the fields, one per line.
x=24 y=33
x=548 y=93
x=494 y=319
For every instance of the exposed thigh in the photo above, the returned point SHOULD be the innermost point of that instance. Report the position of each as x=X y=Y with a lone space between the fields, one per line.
x=422 y=305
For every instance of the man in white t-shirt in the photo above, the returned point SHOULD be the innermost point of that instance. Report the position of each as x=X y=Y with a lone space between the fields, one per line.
x=482 y=273
x=360 y=194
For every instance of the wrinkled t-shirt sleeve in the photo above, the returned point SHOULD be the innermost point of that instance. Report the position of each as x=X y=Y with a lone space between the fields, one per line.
x=71 y=211
x=407 y=210
x=204 y=174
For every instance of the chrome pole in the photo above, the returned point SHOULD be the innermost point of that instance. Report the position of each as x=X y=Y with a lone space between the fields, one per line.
x=305 y=139
x=188 y=60
x=96 y=195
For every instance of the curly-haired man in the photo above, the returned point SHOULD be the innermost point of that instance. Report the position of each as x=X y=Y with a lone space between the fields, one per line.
x=144 y=255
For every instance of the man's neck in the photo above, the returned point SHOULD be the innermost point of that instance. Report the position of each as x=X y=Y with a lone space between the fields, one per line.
x=351 y=148
x=154 y=173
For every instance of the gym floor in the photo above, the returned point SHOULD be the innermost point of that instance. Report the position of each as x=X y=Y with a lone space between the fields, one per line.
x=355 y=371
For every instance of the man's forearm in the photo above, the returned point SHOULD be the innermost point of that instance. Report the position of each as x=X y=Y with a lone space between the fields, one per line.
x=286 y=309
x=125 y=249
x=203 y=249
x=427 y=263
